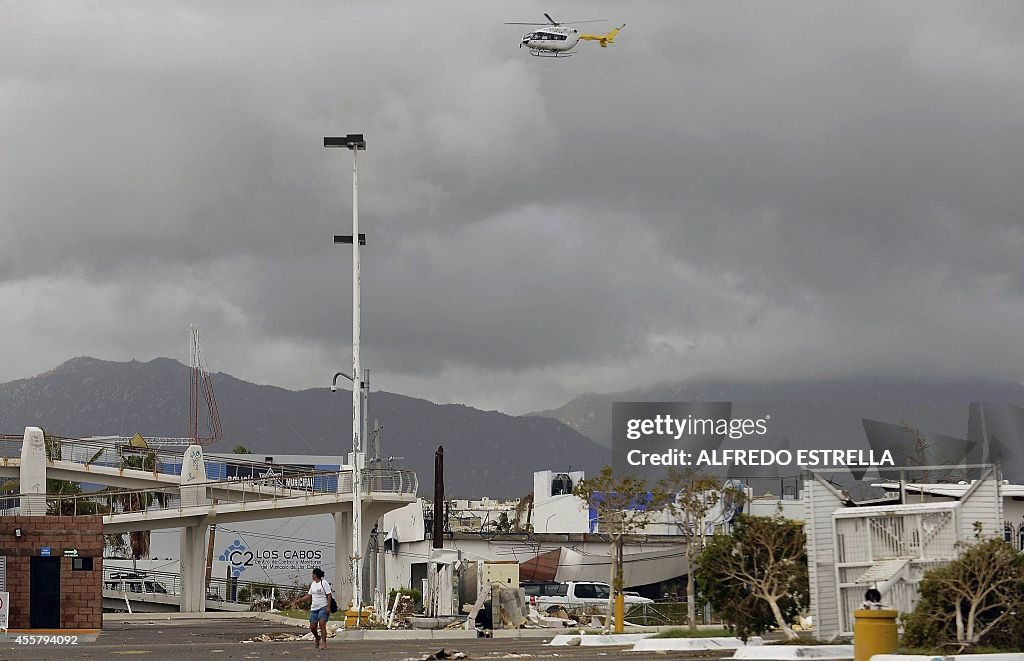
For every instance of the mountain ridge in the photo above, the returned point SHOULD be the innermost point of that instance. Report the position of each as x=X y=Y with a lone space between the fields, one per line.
x=488 y=453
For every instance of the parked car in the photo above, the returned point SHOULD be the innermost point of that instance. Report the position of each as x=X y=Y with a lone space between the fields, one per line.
x=583 y=595
x=136 y=585
x=540 y=589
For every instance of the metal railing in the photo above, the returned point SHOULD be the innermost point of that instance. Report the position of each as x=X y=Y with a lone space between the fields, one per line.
x=663 y=612
x=120 y=454
x=130 y=501
x=229 y=590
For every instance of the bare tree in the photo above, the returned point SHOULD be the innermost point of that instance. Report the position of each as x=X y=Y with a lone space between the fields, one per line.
x=919 y=451
x=691 y=497
x=624 y=505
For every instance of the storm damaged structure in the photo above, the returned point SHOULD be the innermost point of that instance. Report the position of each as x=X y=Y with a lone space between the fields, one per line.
x=889 y=543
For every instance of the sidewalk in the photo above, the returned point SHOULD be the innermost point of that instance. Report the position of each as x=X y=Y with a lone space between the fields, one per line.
x=369 y=634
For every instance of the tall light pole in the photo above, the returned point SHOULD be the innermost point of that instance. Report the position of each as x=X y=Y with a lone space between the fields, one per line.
x=354 y=142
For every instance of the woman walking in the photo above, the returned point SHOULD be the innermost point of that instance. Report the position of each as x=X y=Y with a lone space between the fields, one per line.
x=319 y=608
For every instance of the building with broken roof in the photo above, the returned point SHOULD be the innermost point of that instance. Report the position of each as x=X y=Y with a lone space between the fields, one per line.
x=889 y=543
x=553 y=536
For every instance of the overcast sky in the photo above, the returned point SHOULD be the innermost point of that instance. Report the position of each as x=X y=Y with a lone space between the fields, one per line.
x=750 y=190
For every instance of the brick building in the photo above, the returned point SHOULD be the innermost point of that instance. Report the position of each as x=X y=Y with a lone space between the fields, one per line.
x=53 y=569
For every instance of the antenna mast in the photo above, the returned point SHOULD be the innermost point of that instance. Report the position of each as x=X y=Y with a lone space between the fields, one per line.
x=199 y=380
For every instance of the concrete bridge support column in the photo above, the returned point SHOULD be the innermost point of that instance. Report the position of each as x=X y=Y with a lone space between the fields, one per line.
x=193 y=569
x=342 y=579
x=32 y=474
x=193 y=538
x=193 y=472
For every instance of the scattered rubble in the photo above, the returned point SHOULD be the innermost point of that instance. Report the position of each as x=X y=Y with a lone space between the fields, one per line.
x=440 y=654
x=332 y=631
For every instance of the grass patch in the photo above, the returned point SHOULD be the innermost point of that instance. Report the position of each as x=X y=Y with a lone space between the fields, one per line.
x=700 y=633
x=806 y=639
x=981 y=649
x=297 y=613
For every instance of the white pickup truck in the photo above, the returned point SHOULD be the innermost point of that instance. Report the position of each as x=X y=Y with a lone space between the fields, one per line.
x=581 y=596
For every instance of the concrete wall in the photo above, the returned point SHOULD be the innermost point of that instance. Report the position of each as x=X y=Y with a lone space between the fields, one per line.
x=399 y=566
x=563 y=513
x=81 y=596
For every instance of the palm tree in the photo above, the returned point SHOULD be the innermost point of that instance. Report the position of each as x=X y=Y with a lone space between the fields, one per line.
x=136 y=501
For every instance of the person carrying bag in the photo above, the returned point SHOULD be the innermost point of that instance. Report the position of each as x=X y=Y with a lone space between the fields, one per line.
x=322 y=604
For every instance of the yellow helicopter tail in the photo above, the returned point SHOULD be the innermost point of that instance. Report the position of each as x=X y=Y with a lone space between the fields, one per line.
x=605 y=39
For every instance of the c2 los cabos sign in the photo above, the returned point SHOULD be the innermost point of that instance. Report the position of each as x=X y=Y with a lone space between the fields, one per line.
x=242 y=558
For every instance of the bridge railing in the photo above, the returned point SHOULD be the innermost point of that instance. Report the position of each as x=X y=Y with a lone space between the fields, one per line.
x=229 y=590
x=117 y=452
x=129 y=501
x=10 y=446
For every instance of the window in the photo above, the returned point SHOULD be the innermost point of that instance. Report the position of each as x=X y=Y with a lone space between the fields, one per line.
x=585 y=591
x=562 y=590
x=81 y=564
x=602 y=591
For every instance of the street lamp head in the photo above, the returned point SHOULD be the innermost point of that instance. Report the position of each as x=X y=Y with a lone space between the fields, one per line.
x=334 y=382
x=353 y=141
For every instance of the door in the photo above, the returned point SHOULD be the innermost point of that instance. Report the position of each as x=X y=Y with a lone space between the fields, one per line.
x=44 y=592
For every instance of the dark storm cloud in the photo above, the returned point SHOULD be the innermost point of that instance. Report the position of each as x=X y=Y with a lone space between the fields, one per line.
x=749 y=189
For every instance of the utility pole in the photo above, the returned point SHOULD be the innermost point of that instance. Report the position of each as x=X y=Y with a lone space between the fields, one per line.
x=355 y=143
x=438 y=531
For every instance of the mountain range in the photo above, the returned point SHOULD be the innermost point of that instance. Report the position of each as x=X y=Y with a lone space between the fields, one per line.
x=812 y=406
x=487 y=453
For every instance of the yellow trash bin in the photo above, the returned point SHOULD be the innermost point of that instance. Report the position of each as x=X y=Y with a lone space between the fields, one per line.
x=874 y=632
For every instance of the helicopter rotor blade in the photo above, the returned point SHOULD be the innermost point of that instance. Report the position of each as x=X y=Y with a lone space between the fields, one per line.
x=525 y=23
x=578 y=22
x=548 y=16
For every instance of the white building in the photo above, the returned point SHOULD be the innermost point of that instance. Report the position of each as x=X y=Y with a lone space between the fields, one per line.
x=889 y=544
x=562 y=541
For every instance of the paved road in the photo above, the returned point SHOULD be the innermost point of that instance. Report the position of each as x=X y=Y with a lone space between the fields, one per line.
x=183 y=640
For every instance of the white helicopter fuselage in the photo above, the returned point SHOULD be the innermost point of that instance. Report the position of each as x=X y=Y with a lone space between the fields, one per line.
x=553 y=39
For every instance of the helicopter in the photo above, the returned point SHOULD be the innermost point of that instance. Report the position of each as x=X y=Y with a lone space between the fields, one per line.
x=554 y=39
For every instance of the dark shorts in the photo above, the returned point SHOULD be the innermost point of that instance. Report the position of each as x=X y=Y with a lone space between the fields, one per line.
x=319 y=615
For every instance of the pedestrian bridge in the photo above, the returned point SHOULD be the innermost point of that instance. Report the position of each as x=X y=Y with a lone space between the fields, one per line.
x=150 y=489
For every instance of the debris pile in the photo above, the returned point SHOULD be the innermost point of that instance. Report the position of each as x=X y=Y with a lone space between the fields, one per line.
x=404 y=610
x=553 y=620
x=332 y=631
x=440 y=654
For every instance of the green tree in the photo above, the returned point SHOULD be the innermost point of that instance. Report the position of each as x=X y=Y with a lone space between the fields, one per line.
x=756 y=577
x=240 y=449
x=977 y=599
x=624 y=506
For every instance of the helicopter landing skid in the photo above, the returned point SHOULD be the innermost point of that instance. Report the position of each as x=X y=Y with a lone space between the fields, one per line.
x=555 y=54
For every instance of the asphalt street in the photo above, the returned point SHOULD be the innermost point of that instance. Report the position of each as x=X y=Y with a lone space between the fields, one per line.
x=183 y=640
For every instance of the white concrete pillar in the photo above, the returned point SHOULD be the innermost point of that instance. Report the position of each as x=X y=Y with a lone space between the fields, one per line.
x=342 y=582
x=193 y=472
x=33 y=472
x=193 y=569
